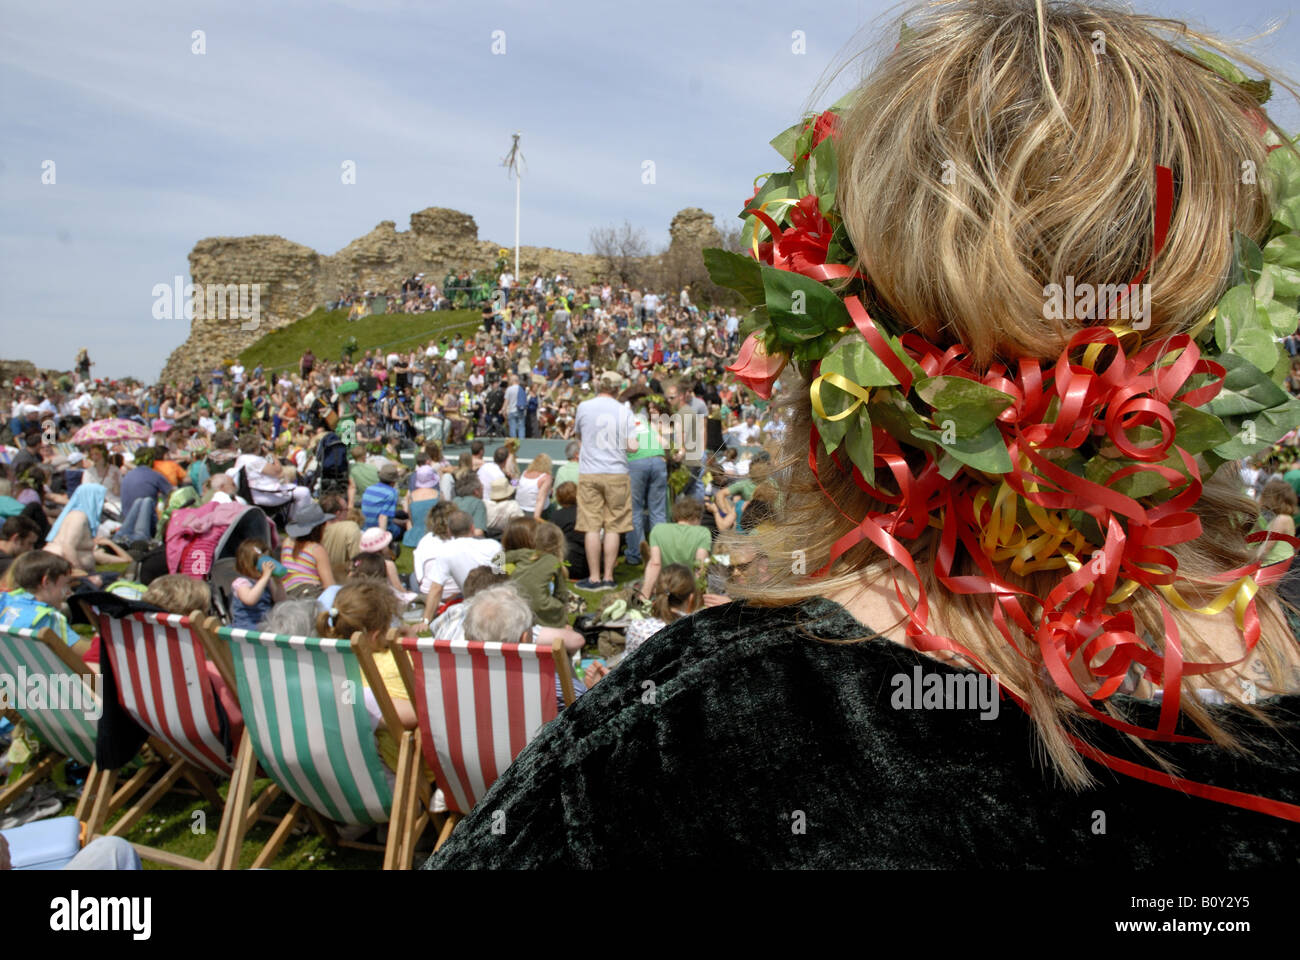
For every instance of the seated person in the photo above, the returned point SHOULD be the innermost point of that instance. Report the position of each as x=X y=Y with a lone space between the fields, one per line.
x=40 y=585
x=17 y=536
x=454 y=559
x=368 y=607
x=675 y=596
x=684 y=541
x=499 y=614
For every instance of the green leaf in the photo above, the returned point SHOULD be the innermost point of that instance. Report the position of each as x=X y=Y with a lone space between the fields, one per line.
x=845 y=102
x=891 y=412
x=737 y=271
x=756 y=322
x=855 y=360
x=784 y=142
x=1282 y=317
x=801 y=307
x=859 y=443
x=1143 y=483
x=1223 y=67
x=1251 y=435
x=1261 y=90
x=1283 y=251
x=1243 y=329
x=825 y=173
x=971 y=406
x=986 y=451
x=1197 y=430
x=1246 y=389
x=1248 y=259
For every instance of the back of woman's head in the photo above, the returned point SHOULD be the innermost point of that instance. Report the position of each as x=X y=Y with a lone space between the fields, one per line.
x=1003 y=147
x=673 y=591
x=436 y=520
x=367 y=606
x=1009 y=144
x=520 y=534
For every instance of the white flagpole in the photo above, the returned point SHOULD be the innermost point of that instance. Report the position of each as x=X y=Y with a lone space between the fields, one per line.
x=514 y=162
x=517 y=178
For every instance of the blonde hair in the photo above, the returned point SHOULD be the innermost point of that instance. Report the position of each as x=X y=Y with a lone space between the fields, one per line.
x=177 y=593
x=541 y=463
x=365 y=606
x=1052 y=150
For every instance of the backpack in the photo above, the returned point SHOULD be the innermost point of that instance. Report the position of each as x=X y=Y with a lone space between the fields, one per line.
x=521 y=400
x=332 y=457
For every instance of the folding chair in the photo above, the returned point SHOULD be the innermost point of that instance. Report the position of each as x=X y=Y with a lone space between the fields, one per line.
x=164 y=683
x=479 y=704
x=60 y=720
x=306 y=722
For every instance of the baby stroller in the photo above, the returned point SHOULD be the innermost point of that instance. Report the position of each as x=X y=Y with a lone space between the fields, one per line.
x=329 y=467
x=201 y=542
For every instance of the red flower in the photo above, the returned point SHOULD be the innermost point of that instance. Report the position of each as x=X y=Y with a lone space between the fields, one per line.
x=826 y=125
x=756 y=368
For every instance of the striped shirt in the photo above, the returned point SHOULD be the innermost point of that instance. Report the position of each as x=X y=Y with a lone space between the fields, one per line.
x=302 y=568
x=379 y=500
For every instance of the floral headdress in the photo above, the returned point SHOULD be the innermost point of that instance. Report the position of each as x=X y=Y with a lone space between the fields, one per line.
x=1089 y=465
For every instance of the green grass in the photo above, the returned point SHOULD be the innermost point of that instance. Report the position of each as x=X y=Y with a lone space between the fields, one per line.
x=171 y=826
x=326 y=331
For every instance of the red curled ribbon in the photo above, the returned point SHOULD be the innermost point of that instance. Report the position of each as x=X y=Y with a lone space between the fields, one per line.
x=1064 y=404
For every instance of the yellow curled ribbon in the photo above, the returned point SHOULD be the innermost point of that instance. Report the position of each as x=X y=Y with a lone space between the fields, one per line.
x=840 y=382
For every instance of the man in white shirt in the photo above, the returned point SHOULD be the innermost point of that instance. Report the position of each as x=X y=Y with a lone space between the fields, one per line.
x=237 y=373
x=608 y=433
x=453 y=559
x=745 y=433
x=490 y=472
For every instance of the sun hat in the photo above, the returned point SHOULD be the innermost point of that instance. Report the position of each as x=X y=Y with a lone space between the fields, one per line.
x=306 y=519
x=425 y=476
x=501 y=489
x=375 y=540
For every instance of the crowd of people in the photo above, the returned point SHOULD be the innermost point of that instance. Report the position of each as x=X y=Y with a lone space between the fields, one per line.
x=347 y=459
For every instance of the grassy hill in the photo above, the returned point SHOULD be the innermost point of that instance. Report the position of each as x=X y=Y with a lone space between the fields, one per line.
x=326 y=331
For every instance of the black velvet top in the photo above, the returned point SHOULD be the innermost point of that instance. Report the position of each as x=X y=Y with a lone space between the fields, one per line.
x=735 y=738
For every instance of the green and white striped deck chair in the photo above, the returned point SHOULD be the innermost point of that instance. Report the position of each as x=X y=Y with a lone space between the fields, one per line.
x=306 y=720
x=48 y=685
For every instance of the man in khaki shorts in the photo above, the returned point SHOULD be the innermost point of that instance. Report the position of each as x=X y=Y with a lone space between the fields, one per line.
x=608 y=434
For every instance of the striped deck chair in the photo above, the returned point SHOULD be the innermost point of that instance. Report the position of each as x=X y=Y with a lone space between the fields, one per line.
x=479 y=704
x=163 y=682
x=306 y=721
x=67 y=717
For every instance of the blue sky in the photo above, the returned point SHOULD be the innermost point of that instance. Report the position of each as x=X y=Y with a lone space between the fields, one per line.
x=156 y=147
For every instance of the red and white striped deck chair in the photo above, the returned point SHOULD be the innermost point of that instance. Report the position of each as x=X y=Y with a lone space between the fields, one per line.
x=479 y=704
x=163 y=682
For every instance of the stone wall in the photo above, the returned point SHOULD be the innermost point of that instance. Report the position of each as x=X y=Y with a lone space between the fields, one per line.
x=293 y=279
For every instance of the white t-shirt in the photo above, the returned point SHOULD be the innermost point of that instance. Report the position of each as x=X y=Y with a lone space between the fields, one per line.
x=488 y=473
x=458 y=557
x=604 y=426
x=237 y=373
